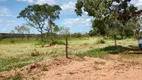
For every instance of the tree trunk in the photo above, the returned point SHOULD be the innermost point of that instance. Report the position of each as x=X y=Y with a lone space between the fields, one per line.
x=115 y=41
x=67 y=47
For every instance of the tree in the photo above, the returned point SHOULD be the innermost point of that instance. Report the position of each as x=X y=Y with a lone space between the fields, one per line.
x=38 y=15
x=110 y=16
x=21 y=30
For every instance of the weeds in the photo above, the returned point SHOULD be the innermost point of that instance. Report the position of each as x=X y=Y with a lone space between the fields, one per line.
x=17 y=76
x=35 y=53
x=129 y=55
x=60 y=42
x=19 y=54
x=101 y=41
x=102 y=63
x=93 y=53
x=44 y=68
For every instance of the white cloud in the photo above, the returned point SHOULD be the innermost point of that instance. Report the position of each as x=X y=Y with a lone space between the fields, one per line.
x=137 y=3
x=29 y=1
x=68 y=6
x=81 y=22
x=4 y=10
x=50 y=2
x=7 y=21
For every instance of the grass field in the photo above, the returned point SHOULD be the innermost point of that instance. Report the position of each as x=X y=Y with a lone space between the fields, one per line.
x=21 y=53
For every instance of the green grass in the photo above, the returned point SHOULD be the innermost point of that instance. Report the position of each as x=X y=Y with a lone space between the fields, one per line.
x=113 y=49
x=129 y=55
x=21 y=53
x=101 y=53
x=17 y=76
x=100 y=41
x=60 y=42
x=93 y=53
x=9 y=63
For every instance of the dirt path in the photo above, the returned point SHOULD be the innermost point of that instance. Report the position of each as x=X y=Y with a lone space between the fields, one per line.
x=95 y=69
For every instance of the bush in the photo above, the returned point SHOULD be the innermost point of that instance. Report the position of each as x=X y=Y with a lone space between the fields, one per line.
x=100 y=41
x=17 y=76
x=12 y=41
x=35 y=53
x=58 y=42
x=1 y=37
x=93 y=53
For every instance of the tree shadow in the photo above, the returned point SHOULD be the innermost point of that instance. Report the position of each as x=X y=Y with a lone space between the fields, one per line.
x=115 y=50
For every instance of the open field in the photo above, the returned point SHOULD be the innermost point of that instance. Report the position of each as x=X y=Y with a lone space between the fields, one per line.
x=19 y=54
x=23 y=53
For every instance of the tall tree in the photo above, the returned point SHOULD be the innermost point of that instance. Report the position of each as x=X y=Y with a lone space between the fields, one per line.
x=38 y=15
x=21 y=30
x=109 y=15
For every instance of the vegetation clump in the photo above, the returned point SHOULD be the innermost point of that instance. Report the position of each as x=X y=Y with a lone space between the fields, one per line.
x=101 y=41
x=35 y=53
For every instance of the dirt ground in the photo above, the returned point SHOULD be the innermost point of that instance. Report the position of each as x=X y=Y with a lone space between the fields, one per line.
x=112 y=68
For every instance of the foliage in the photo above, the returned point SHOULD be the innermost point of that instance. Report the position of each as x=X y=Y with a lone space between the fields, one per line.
x=1 y=37
x=113 y=50
x=93 y=53
x=17 y=76
x=100 y=41
x=60 y=42
x=110 y=16
x=21 y=29
x=65 y=31
x=38 y=15
x=35 y=53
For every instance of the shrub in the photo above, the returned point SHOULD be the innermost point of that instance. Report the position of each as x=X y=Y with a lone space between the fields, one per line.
x=93 y=53
x=58 y=42
x=1 y=37
x=17 y=76
x=35 y=53
x=100 y=41
x=12 y=41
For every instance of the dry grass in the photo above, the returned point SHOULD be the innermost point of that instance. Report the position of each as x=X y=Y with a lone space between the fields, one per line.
x=18 y=55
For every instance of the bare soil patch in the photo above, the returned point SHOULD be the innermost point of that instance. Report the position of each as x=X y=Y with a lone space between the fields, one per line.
x=78 y=69
x=131 y=51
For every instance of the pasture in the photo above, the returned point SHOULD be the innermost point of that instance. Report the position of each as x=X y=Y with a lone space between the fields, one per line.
x=21 y=53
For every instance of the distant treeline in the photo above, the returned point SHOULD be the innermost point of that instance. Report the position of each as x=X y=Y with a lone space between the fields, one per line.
x=9 y=35
x=37 y=36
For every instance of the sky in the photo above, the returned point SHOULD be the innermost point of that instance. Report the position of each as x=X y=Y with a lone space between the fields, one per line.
x=10 y=9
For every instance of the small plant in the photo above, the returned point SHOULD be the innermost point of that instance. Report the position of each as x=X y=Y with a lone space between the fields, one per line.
x=17 y=76
x=58 y=42
x=100 y=62
x=44 y=68
x=12 y=41
x=85 y=44
x=1 y=37
x=100 y=41
x=35 y=53
x=93 y=53
x=29 y=70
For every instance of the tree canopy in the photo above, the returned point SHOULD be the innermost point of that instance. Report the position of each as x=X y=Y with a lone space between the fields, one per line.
x=38 y=16
x=108 y=14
